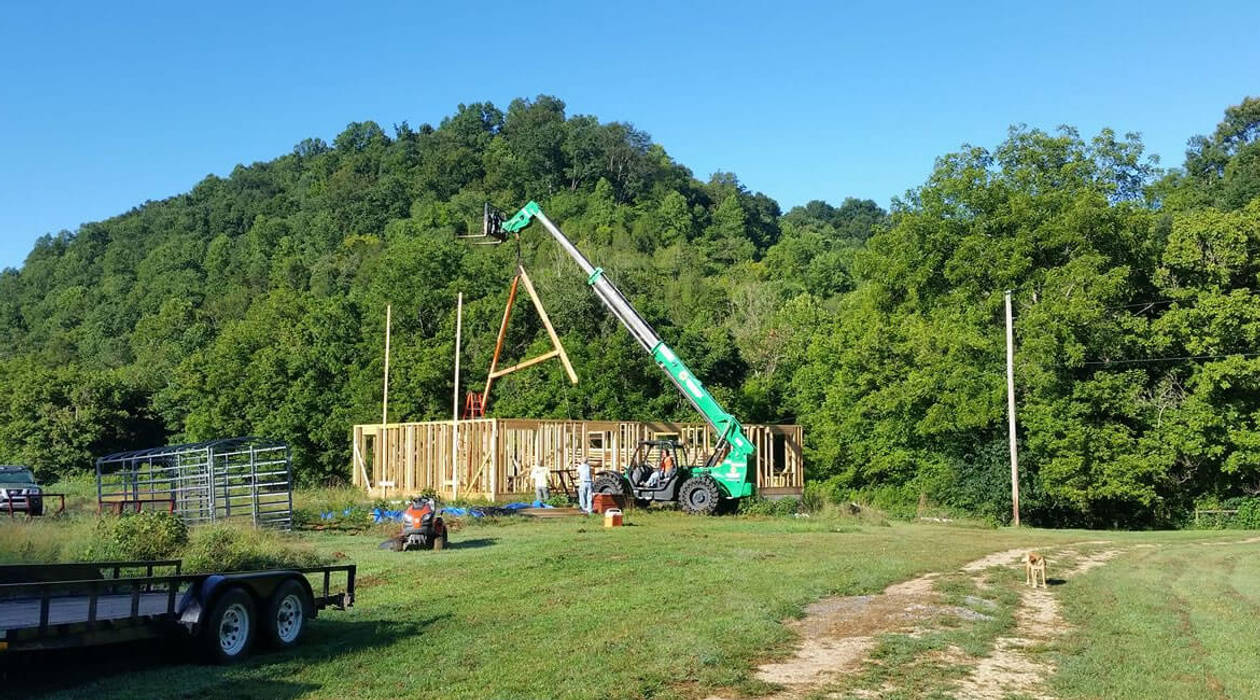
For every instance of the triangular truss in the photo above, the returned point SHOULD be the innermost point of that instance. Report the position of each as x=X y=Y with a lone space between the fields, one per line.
x=477 y=404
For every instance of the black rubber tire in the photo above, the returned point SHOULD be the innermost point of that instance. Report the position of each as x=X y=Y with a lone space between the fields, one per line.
x=283 y=601
x=36 y=506
x=699 y=495
x=613 y=484
x=439 y=542
x=235 y=602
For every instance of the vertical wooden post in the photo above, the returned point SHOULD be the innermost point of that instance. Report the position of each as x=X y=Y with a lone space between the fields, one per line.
x=382 y=439
x=494 y=458
x=385 y=393
x=1010 y=408
x=459 y=324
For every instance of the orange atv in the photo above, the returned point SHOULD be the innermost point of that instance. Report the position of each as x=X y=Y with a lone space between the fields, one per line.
x=422 y=527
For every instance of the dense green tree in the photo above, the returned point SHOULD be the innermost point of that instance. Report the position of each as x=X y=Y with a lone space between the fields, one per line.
x=254 y=304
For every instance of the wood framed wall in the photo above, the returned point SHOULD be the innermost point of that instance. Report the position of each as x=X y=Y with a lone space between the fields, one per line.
x=494 y=455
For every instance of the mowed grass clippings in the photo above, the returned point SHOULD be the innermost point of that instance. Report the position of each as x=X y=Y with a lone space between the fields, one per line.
x=665 y=607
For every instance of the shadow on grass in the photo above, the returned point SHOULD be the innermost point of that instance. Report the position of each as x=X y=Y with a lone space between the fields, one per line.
x=1055 y=582
x=253 y=689
x=475 y=543
x=35 y=673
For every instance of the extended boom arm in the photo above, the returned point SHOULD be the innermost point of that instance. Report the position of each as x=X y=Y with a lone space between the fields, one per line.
x=732 y=472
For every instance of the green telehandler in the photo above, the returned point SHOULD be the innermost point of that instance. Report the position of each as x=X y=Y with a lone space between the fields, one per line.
x=726 y=475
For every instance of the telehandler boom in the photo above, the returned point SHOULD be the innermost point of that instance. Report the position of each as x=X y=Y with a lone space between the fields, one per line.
x=726 y=472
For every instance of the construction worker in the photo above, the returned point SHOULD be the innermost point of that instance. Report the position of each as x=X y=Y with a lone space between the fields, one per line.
x=541 y=491
x=585 y=485
x=667 y=465
x=661 y=473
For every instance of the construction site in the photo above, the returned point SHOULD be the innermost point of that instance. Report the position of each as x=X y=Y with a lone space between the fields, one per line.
x=490 y=458
x=698 y=465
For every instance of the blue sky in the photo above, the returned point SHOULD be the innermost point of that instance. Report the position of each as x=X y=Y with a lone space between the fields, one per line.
x=106 y=105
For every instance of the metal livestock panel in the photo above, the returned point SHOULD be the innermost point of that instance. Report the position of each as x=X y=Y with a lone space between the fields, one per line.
x=229 y=479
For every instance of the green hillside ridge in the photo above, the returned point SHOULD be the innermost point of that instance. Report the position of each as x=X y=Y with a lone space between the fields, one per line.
x=254 y=304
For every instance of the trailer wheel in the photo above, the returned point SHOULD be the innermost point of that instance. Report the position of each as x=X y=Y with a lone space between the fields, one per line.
x=287 y=613
x=228 y=632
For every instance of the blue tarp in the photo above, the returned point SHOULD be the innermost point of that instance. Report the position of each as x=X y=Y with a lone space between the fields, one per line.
x=380 y=515
x=483 y=511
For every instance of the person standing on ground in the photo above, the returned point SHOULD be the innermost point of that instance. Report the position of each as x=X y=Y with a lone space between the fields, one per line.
x=540 y=474
x=585 y=485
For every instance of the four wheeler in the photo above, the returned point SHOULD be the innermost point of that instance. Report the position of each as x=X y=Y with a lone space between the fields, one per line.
x=660 y=472
x=422 y=527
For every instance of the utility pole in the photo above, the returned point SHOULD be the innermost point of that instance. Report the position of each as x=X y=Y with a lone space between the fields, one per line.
x=1010 y=407
x=459 y=325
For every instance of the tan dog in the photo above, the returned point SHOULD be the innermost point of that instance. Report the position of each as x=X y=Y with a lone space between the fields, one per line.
x=1034 y=563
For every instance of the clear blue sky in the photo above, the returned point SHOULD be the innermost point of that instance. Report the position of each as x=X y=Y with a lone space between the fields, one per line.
x=105 y=105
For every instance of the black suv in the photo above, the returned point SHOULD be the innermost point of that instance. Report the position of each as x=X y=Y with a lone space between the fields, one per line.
x=18 y=491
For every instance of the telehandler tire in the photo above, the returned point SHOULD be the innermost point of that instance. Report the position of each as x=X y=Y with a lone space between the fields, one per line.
x=699 y=495
x=613 y=484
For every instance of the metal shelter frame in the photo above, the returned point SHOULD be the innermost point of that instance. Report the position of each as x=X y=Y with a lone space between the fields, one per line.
x=230 y=478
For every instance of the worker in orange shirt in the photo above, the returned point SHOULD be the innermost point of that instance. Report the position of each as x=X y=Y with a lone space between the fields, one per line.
x=667 y=465
x=661 y=474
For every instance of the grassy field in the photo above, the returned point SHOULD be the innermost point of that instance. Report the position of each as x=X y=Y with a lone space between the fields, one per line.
x=676 y=606
x=1171 y=622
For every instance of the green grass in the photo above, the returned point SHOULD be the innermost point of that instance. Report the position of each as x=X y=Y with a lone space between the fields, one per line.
x=666 y=607
x=1173 y=622
x=670 y=606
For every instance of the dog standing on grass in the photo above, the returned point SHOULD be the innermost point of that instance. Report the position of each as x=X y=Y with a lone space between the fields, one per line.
x=1034 y=563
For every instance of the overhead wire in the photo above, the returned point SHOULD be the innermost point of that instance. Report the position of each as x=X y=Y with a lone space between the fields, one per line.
x=1180 y=358
x=1159 y=302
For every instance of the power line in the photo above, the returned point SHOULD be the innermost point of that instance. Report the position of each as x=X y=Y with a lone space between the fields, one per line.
x=1170 y=359
x=1158 y=302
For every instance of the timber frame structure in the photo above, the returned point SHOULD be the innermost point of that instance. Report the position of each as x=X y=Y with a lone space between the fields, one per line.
x=475 y=403
x=494 y=455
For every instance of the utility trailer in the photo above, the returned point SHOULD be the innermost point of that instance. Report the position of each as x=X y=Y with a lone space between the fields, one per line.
x=58 y=606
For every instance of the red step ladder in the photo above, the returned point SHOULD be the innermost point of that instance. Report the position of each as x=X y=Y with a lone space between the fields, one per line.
x=474 y=407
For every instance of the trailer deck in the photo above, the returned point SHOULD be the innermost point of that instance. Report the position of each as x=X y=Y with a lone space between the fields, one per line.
x=26 y=613
x=67 y=605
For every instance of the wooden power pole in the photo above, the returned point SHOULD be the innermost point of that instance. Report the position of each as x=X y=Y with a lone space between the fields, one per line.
x=1010 y=408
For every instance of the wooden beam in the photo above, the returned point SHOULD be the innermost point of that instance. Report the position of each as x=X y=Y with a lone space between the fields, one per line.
x=459 y=325
x=527 y=363
x=385 y=392
x=551 y=331
x=498 y=345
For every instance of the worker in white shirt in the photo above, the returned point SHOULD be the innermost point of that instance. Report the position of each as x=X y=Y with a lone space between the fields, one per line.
x=540 y=474
x=584 y=486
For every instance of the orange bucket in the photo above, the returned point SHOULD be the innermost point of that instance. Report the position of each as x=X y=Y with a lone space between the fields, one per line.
x=612 y=517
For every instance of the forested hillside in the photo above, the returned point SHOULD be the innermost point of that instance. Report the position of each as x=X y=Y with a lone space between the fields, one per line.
x=254 y=304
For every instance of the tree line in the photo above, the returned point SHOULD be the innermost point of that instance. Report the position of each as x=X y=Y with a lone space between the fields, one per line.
x=254 y=304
